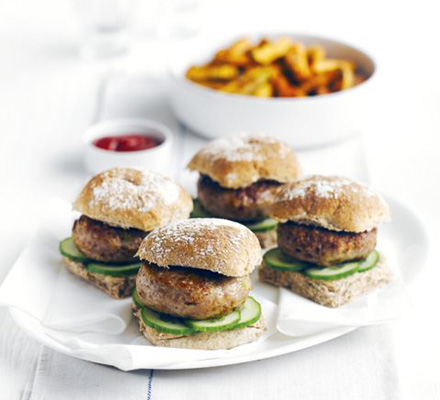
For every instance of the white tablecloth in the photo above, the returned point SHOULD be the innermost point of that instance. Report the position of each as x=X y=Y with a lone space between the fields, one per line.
x=48 y=98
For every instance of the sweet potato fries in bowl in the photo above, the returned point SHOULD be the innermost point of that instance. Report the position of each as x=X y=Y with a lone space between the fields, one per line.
x=276 y=68
x=304 y=89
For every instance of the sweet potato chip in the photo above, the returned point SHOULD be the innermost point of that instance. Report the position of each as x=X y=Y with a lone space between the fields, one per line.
x=297 y=61
x=216 y=73
x=275 y=68
x=271 y=51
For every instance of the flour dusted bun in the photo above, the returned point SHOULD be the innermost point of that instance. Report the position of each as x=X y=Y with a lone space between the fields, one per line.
x=217 y=245
x=131 y=198
x=331 y=202
x=240 y=161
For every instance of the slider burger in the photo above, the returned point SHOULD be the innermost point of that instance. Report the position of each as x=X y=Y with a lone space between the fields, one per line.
x=239 y=178
x=326 y=240
x=192 y=290
x=119 y=207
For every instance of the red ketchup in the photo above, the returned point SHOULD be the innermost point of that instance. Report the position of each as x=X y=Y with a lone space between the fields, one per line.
x=131 y=142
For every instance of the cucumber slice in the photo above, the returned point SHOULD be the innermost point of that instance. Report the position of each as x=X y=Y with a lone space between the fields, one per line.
x=249 y=313
x=113 y=270
x=198 y=210
x=332 y=273
x=136 y=299
x=263 y=225
x=69 y=250
x=216 y=324
x=276 y=259
x=369 y=262
x=165 y=323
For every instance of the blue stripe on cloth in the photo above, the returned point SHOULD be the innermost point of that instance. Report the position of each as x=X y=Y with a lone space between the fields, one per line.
x=150 y=384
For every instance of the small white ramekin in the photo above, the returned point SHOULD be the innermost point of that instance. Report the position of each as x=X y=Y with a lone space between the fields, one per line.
x=156 y=159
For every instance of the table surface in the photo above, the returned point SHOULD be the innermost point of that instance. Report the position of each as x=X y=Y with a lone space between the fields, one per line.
x=48 y=97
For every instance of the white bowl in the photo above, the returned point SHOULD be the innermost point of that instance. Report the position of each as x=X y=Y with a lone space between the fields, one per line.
x=302 y=121
x=157 y=158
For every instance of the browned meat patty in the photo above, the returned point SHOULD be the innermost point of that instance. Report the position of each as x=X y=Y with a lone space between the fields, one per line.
x=322 y=246
x=245 y=204
x=189 y=292
x=101 y=242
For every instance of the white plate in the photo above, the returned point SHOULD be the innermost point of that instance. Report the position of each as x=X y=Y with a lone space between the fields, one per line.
x=405 y=236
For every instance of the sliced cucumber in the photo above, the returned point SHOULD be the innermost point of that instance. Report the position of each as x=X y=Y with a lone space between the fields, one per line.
x=216 y=324
x=262 y=226
x=249 y=313
x=136 y=299
x=165 y=323
x=276 y=259
x=69 y=250
x=369 y=262
x=331 y=273
x=199 y=211
x=113 y=270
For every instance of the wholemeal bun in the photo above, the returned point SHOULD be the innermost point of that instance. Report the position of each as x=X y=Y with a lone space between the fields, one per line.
x=118 y=287
x=131 y=198
x=240 y=161
x=330 y=202
x=329 y=293
x=216 y=245
x=267 y=239
x=204 y=340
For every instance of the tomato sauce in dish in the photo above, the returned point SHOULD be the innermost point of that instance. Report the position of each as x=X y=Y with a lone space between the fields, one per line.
x=131 y=142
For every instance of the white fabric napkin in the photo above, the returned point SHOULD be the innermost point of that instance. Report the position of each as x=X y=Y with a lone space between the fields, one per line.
x=298 y=316
x=40 y=286
x=75 y=307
